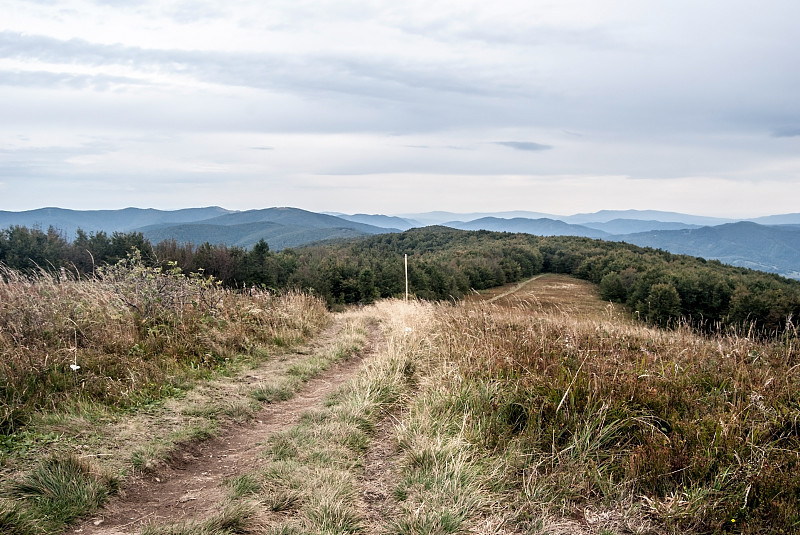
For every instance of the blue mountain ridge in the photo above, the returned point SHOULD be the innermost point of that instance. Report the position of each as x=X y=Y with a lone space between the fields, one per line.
x=770 y=243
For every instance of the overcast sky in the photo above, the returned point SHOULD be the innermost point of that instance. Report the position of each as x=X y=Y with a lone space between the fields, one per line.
x=559 y=106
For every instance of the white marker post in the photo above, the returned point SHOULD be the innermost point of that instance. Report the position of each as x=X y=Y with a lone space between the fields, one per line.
x=405 y=259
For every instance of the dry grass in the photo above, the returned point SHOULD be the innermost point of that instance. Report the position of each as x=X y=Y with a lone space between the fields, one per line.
x=545 y=411
x=86 y=366
x=130 y=336
x=623 y=427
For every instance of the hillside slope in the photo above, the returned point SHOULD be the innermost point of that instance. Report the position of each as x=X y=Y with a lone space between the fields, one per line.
x=292 y=217
x=379 y=220
x=774 y=249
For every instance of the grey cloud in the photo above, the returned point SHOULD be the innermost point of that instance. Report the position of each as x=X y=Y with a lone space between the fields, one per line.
x=35 y=162
x=789 y=131
x=524 y=145
x=380 y=79
x=368 y=91
x=448 y=147
x=262 y=148
x=79 y=51
x=120 y=3
x=431 y=95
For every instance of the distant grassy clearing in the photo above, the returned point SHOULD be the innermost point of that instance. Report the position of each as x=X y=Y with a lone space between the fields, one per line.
x=548 y=293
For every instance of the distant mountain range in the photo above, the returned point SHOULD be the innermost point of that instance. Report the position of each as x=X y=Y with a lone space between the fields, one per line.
x=629 y=226
x=770 y=243
x=541 y=227
x=378 y=220
x=279 y=227
x=603 y=216
x=126 y=220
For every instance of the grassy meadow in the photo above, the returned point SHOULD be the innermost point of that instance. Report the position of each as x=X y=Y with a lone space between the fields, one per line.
x=578 y=419
x=529 y=409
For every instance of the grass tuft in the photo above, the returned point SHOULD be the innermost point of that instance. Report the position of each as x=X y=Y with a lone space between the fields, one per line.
x=15 y=521
x=61 y=489
x=237 y=519
x=243 y=485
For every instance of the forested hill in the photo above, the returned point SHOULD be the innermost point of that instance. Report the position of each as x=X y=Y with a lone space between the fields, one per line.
x=446 y=263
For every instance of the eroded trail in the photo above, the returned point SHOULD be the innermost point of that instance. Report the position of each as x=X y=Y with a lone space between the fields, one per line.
x=380 y=477
x=191 y=485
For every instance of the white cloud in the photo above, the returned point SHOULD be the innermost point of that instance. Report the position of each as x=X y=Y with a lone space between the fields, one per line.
x=682 y=99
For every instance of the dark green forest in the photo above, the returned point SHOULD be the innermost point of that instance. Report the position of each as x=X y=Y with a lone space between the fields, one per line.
x=444 y=264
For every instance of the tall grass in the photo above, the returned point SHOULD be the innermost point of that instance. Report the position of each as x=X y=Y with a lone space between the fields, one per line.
x=130 y=334
x=664 y=431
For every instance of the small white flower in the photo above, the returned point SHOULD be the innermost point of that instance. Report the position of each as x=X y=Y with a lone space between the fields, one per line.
x=74 y=367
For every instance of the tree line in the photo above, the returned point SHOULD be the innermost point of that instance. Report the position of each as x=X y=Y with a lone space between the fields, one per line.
x=659 y=287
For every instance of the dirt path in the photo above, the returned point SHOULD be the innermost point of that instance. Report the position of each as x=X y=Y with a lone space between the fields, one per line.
x=515 y=289
x=380 y=477
x=192 y=484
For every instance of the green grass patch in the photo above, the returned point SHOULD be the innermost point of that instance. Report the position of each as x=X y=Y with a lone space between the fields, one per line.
x=236 y=519
x=243 y=485
x=56 y=492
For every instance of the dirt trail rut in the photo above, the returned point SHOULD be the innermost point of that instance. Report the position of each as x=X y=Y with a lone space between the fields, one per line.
x=379 y=477
x=191 y=485
x=515 y=289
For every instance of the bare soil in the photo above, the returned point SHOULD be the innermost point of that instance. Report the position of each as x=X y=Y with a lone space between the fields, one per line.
x=191 y=484
x=380 y=477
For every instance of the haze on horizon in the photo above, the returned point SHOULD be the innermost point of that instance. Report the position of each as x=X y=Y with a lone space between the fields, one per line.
x=401 y=107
